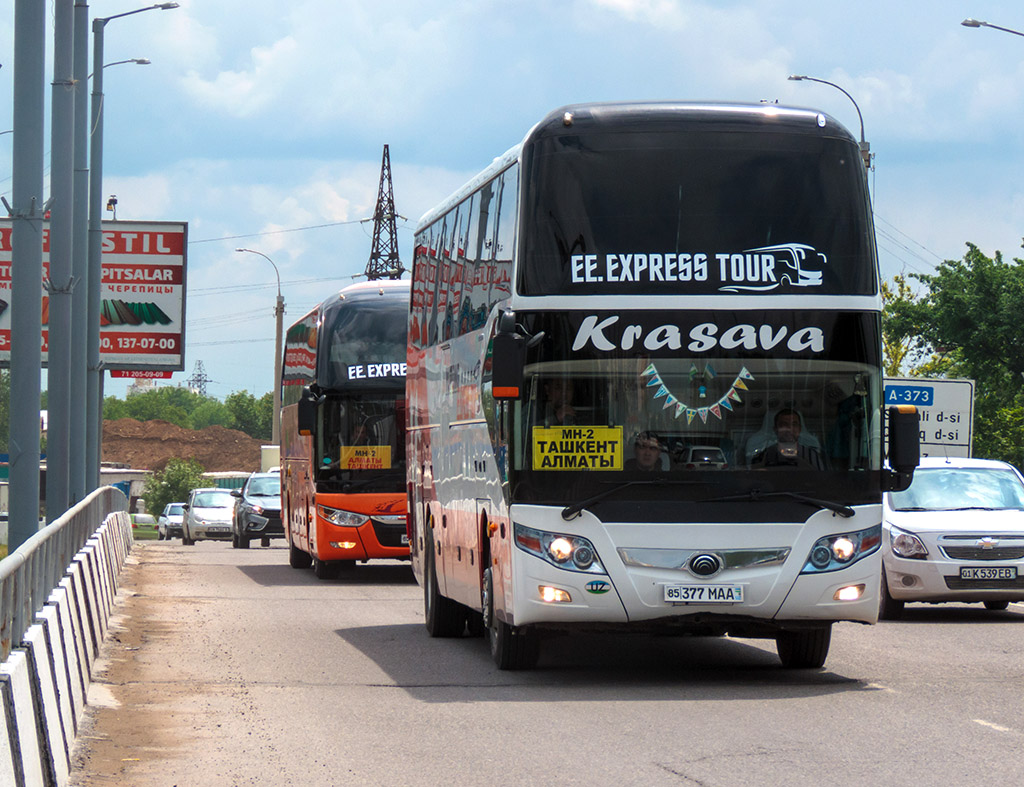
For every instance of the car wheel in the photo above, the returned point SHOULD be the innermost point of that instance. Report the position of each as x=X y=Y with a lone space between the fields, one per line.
x=243 y=541
x=512 y=648
x=264 y=542
x=888 y=607
x=996 y=606
x=442 y=616
x=297 y=558
x=234 y=540
x=188 y=542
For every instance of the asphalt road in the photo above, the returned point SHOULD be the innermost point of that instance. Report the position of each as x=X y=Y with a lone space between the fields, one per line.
x=227 y=667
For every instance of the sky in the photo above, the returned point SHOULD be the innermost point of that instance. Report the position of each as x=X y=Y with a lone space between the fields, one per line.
x=261 y=124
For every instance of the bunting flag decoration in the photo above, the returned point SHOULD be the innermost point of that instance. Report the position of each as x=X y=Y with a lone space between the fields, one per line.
x=680 y=407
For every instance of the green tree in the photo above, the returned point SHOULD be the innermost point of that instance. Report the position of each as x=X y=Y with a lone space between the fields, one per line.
x=173 y=484
x=252 y=415
x=212 y=413
x=971 y=314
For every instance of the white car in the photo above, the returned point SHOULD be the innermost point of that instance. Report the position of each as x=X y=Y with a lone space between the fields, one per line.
x=169 y=524
x=208 y=514
x=957 y=534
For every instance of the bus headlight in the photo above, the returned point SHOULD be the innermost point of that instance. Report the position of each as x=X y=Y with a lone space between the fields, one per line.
x=834 y=552
x=573 y=553
x=342 y=518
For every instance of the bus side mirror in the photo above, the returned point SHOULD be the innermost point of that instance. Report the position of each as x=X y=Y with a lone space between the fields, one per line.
x=508 y=358
x=306 y=412
x=904 y=447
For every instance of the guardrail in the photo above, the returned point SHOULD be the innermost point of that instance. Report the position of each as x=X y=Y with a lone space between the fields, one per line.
x=56 y=596
x=30 y=573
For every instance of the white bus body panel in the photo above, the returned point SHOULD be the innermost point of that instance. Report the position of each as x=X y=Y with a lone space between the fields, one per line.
x=771 y=592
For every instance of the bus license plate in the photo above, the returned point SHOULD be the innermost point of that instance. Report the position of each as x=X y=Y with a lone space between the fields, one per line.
x=704 y=594
x=405 y=539
x=988 y=572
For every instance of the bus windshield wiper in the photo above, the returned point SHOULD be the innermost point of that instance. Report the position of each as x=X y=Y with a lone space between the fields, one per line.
x=573 y=510
x=754 y=495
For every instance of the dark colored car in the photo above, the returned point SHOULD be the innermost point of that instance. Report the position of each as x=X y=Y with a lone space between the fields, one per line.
x=257 y=510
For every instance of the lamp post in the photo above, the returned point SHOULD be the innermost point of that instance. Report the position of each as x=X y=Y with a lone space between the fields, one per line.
x=279 y=315
x=94 y=383
x=865 y=148
x=139 y=61
x=978 y=23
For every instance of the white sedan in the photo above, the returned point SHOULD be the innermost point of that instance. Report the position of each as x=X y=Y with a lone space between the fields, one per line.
x=957 y=534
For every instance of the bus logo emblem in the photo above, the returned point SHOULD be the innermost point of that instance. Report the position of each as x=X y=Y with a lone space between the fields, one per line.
x=598 y=586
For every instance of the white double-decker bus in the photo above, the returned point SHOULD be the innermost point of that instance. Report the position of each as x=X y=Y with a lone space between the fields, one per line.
x=644 y=384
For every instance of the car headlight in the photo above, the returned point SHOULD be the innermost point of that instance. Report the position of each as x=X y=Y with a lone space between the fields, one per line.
x=256 y=509
x=573 y=553
x=907 y=545
x=834 y=552
x=342 y=518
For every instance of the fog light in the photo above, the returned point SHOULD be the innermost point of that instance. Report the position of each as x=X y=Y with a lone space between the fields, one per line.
x=849 y=593
x=552 y=595
x=344 y=544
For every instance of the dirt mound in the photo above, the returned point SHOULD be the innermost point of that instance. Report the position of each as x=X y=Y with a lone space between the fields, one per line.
x=150 y=445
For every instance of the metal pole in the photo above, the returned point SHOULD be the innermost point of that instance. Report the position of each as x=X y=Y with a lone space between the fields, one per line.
x=60 y=283
x=26 y=267
x=94 y=404
x=80 y=258
x=276 y=415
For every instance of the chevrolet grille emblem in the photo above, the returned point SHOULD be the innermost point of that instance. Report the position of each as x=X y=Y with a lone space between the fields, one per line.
x=988 y=543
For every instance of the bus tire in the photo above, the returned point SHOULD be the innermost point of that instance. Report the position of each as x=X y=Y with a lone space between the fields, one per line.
x=324 y=569
x=442 y=616
x=805 y=649
x=512 y=648
x=297 y=558
x=888 y=607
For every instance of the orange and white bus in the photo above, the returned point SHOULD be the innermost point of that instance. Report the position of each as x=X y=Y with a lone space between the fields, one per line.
x=343 y=430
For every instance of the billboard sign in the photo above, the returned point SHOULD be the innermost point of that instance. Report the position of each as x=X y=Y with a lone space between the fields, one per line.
x=142 y=295
x=946 y=409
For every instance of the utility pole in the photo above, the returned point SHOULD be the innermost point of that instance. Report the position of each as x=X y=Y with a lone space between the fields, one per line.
x=384 y=262
x=198 y=380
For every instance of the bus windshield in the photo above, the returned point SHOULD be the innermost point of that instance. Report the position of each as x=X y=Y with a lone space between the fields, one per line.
x=633 y=398
x=360 y=443
x=714 y=210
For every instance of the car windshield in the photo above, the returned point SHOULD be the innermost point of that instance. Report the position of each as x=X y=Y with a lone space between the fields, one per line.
x=214 y=499
x=952 y=488
x=269 y=486
x=174 y=510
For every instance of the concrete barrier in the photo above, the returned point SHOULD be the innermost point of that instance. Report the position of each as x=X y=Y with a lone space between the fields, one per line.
x=44 y=682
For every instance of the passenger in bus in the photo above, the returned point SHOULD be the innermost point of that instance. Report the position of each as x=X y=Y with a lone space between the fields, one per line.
x=787 y=450
x=559 y=410
x=647 y=450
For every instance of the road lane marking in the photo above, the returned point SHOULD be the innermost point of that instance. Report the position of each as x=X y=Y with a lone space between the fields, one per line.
x=996 y=727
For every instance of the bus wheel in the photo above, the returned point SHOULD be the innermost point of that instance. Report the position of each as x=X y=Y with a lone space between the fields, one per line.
x=511 y=648
x=443 y=617
x=888 y=607
x=324 y=569
x=297 y=558
x=804 y=649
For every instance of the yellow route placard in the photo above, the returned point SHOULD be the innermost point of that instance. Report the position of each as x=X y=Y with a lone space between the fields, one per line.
x=366 y=457
x=577 y=448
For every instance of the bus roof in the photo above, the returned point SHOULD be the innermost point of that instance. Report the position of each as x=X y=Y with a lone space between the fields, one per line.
x=625 y=114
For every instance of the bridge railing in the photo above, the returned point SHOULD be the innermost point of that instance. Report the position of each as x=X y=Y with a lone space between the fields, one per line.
x=30 y=574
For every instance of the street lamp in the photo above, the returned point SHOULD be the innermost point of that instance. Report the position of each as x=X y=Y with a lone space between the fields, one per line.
x=978 y=23
x=865 y=148
x=279 y=315
x=139 y=61
x=94 y=281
